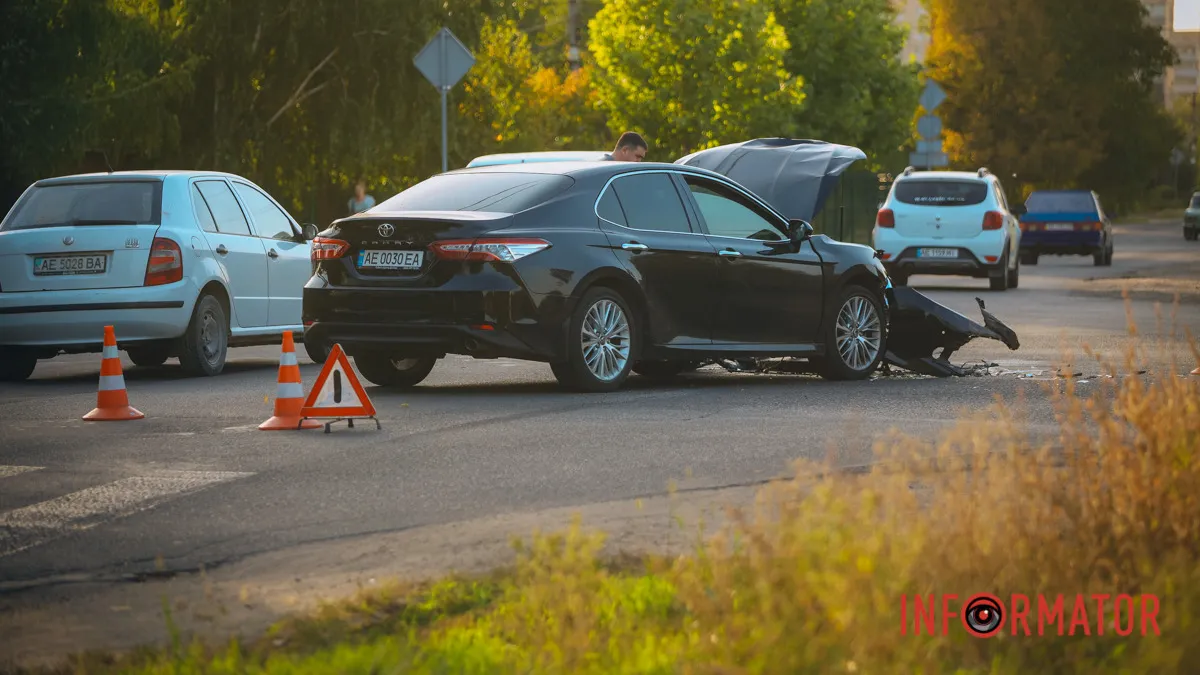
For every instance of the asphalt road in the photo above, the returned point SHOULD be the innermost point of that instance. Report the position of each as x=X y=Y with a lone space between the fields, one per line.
x=195 y=483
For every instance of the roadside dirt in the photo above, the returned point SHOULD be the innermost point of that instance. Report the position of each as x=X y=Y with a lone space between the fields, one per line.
x=42 y=626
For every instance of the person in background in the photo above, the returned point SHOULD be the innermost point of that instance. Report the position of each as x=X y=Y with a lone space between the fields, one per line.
x=631 y=147
x=361 y=201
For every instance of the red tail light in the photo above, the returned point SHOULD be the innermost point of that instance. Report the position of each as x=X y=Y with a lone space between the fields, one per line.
x=886 y=218
x=328 y=249
x=1095 y=227
x=993 y=220
x=499 y=249
x=165 y=265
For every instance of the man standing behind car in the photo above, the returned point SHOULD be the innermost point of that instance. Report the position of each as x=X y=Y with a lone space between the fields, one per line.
x=631 y=147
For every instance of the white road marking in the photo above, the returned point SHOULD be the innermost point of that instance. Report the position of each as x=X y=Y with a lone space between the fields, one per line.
x=37 y=524
x=6 y=471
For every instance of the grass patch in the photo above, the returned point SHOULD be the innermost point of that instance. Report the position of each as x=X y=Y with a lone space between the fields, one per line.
x=811 y=579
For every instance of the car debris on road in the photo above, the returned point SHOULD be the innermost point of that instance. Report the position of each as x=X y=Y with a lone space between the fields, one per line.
x=920 y=326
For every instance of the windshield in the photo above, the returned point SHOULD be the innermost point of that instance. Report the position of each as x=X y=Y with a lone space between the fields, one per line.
x=87 y=203
x=497 y=192
x=1060 y=202
x=941 y=192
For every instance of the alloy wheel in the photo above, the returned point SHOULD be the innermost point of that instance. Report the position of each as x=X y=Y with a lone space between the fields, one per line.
x=858 y=333
x=605 y=340
x=211 y=336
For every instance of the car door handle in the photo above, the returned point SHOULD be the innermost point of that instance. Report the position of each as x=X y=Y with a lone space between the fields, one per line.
x=221 y=249
x=634 y=246
x=729 y=253
x=272 y=253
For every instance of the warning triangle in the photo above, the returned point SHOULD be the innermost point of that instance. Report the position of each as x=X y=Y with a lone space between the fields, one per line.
x=337 y=391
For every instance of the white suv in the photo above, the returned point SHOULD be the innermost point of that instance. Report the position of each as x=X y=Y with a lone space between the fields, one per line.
x=950 y=223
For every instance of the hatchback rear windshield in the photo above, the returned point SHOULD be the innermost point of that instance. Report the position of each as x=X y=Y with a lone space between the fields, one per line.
x=1060 y=202
x=941 y=192
x=87 y=203
x=497 y=192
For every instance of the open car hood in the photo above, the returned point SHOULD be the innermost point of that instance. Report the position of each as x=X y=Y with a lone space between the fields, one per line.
x=794 y=176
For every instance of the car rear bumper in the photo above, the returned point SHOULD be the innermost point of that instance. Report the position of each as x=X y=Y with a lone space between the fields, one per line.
x=484 y=324
x=966 y=264
x=74 y=320
x=1062 y=243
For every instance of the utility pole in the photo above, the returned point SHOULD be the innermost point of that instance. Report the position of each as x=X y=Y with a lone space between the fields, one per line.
x=573 y=33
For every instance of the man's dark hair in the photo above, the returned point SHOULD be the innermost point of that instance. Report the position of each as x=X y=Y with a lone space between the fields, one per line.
x=631 y=139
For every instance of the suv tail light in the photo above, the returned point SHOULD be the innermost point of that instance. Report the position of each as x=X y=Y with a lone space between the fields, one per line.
x=327 y=249
x=501 y=249
x=993 y=220
x=165 y=265
x=886 y=218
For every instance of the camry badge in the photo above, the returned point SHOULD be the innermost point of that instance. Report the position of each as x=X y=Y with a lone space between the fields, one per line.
x=68 y=240
x=386 y=230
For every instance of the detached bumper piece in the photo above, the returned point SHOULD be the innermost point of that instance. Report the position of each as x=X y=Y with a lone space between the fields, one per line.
x=919 y=327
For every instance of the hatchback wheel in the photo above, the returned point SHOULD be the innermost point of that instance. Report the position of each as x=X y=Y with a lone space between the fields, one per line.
x=1029 y=258
x=394 y=371
x=856 y=338
x=16 y=365
x=601 y=341
x=149 y=356
x=204 y=346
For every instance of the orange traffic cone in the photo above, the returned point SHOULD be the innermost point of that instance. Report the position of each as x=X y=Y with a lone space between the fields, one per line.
x=112 y=400
x=289 y=399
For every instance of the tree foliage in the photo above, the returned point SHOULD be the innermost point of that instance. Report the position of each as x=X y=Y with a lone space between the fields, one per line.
x=1060 y=94
x=693 y=74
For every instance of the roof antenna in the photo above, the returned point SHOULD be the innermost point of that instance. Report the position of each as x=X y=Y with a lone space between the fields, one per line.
x=106 y=162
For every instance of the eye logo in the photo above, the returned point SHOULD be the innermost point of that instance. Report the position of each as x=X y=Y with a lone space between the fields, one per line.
x=983 y=615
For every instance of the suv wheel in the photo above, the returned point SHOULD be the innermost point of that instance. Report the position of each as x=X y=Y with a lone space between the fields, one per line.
x=204 y=345
x=602 y=339
x=386 y=370
x=16 y=365
x=1000 y=283
x=855 y=336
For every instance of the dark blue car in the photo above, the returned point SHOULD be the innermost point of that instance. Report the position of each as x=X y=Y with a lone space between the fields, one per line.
x=1065 y=222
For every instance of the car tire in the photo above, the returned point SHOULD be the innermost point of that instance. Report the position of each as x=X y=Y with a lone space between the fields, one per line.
x=16 y=365
x=387 y=370
x=664 y=369
x=317 y=350
x=1014 y=275
x=205 y=345
x=1108 y=256
x=840 y=332
x=149 y=356
x=1000 y=283
x=596 y=310
x=1029 y=258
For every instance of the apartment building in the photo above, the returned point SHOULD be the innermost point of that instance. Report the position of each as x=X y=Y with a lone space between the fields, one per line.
x=911 y=15
x=1182 y=81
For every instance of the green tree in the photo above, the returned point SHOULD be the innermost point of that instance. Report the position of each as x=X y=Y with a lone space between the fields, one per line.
x=858 y=90
x=692 y=74
x=1060 y=94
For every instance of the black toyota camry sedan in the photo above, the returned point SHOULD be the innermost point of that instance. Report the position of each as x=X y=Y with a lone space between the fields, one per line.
x=598 y=268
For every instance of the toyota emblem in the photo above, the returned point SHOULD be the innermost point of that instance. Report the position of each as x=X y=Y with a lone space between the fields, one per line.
x=68 y=240
x=386 y=230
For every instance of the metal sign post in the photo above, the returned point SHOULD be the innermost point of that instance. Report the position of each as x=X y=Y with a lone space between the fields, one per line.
x=929 y=149
x=443 y=61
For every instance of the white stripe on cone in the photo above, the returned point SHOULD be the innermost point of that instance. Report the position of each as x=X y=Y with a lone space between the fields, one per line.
x=290 y=390
x=110 y=352
x=112 y=382
x=287 y=359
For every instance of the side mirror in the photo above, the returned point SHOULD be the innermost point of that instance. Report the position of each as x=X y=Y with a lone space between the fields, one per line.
x=801 y=230
x=310 y=232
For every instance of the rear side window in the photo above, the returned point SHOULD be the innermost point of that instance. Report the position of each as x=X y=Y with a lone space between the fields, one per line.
x=497 y=192
x=941 y=192
x=1061 y=202
x=609 y=208
x=88 y=203
x=224 y=207
x=651 y=202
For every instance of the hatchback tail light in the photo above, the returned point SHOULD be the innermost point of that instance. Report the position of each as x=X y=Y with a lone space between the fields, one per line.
x=328 y=249
x=886 y=218
x=165 y=265
x=500 y=249
x=993 y=220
